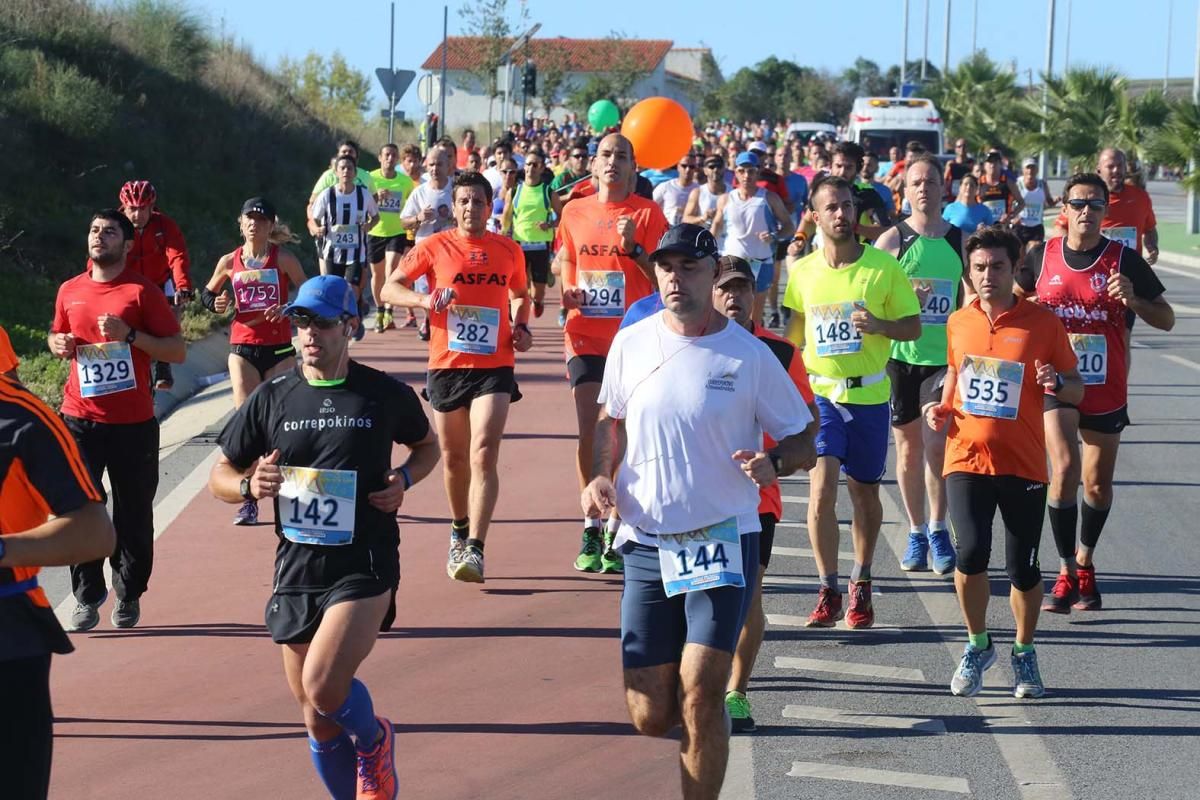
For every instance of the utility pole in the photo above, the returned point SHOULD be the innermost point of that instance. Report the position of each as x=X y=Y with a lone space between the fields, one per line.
x=925 y=52
x=1067 y=53
x=946 y=41
x=1044 y=165
x=445 y=45
x=392 y=67
x=1193 y=199
x=1167 y=59
x=904 y=55
x=974 y=26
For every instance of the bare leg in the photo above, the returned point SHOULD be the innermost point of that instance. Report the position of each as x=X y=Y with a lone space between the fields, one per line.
x=652 y=697
x=973 y=599
x=454 y=436
x=704 y=746
x=587 y=411
x=488 y=415
x=1099 y=467
x=822 y=514
x=1025 y=608
x=868 y=517
x=935 y=484
x=910 y=458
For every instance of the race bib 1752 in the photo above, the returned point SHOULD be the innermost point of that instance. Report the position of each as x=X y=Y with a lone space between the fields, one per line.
x=256 y=289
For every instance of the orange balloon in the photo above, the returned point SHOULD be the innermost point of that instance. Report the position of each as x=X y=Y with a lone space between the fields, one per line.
x=661 y=132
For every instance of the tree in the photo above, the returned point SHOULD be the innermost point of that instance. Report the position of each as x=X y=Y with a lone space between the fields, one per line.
x=615 y=83
x=331 y=89
x=774 y=89
x=981 y=102
x=865 y=80
x=1177 y=143
x=487 y=22
x=553 y=65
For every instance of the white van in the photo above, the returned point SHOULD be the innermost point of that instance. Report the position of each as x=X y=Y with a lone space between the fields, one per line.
x=879 y=123
x=806 y=130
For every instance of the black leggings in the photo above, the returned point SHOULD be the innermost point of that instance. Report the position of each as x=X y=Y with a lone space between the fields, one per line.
x=973 y=500
x=26 y=735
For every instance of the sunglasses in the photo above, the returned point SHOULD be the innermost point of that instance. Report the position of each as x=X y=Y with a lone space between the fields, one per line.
x=578 y=155
x=1079 y=204
x=303 y=321
x=509 y=171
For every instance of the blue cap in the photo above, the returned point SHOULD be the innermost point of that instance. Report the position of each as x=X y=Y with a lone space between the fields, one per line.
x=593 y=147
x=327 y=296
x=746 y=158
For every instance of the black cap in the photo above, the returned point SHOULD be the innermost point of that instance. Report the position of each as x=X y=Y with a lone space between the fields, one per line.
x=259 y=205
x=687 y=239
x=732 y=267
x=994 y=155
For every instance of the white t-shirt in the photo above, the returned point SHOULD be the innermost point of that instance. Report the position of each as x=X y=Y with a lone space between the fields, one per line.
x=440 y=200
x=672 y=199
x=495 y=178
x=688 y=405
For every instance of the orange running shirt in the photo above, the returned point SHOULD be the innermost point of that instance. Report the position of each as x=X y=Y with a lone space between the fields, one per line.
x=8 y=357
x=1130 y=215
x=474 y=332
x=613 y=282
x=770 y=500
x=996 y=426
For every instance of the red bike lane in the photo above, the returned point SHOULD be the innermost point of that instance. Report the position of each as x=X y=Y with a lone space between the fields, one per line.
x=511 y=689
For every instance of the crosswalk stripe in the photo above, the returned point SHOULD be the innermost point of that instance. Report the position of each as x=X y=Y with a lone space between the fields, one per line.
x=850 y=668
x=791 y=524
x=882 y=777
x=845 y=717
x=794 y=621
x=791 y=580
x=794 y=498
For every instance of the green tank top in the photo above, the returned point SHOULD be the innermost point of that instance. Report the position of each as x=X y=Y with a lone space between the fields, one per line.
x=531 y=205
x=935 y=268
x=400 y=187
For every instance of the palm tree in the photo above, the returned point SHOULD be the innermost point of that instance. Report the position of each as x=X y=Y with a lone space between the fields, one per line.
x=981 y=102
x=1177 y=143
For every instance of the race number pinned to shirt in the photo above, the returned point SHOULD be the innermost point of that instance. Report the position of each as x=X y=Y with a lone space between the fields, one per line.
x=990 y=387
x=1125 y=234
x=603 y=293
x=1092 y=351
x=256 y=289
x=344 y=237
x=998 y=208
x=701 y=559
x=937 y=299
x=392 y=204
x=473 y=329
x=1032 y=213
x=104 y=368
x=831 y=330
x=316 y=506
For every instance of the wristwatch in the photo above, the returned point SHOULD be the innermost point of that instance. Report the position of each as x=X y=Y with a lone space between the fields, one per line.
x=776 y=463
x=1058 y=383
x=636 y=252
x=3 y=548
x=244 y=487
x=129 y=337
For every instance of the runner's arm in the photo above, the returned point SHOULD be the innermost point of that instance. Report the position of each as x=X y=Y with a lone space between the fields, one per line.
x=608 y=447
x=889 y=242
x=691 y=211
x=506 y=216
x=1018 y=205
x=717 y=227
x=795 y=329
x=177 y=256
x=556 y=205
x=74 y=537
x=291 y=266
x=422 y=457
x=786 y=227
x=219 y=302
x=162 y=348
x=1150 y=240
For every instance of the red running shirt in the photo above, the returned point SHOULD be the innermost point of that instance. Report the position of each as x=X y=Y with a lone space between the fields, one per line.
x=254 y=290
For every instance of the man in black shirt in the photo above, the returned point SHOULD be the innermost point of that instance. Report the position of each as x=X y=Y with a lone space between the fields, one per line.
x=319 y=441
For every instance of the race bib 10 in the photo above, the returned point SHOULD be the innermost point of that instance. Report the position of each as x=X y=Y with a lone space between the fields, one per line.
x=831 y=331
x=316 y=506
x=990 y=387
x=104 y=368
x=701 y=559
x=937 y=299
x=473 y=329
x=1092 y=351
x=256 y=289
x=603 y=293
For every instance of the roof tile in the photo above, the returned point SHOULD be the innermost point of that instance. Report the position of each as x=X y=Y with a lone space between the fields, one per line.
x=576 y=55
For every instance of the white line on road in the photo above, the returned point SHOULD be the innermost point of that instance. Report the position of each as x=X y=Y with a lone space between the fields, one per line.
x=739 y=775
x=789 y=580
x=846 y=717
x=804 y=552
x=1181 y=361
x=791 y=524
x=794 y=498
x=850 y=668
x=1173 y=271
x=794 y=621
x=882 y=777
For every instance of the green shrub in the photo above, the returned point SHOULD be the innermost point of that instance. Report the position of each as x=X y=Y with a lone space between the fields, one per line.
x=56 y=94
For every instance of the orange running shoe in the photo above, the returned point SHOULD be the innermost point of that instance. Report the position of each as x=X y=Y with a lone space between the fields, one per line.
x=377 y=768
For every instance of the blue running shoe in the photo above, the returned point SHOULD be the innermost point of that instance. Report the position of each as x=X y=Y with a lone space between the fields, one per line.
x=942 y=549
x=916 y=556
x=968 y=678
x=1027 y=680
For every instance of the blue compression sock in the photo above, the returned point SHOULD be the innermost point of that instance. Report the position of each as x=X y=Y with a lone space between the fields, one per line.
x=357 y=716
x=337 y=765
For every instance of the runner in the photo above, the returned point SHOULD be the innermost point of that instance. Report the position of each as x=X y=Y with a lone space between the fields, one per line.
x=159 y=254
x=930 y=251
x=967 y=213
x=1096 y=286
x=849 y=302
x=672 y=195
x=260 y=338
x=340 y=217
x=531 y=212
x=320 y=441
x=1004 y=353
x=997 y=193
x=605 y=267
x=42 y=473
x=388 y=241
x=1130 y=216
x=480 y=280
x=577 y=167
x=428 y=210
x=750 y=219
x=8 y=357
x=796 y=201
x=328 y=178
x=1037 y=198
x=701 y=208
x=689 y=531
x=110 y=321
x=733 y=296
x=956 y=169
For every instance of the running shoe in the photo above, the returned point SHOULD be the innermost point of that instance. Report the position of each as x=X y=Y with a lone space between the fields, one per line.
x=410 y=321
x=860 y=614
x=828 y=610
x=1027 y=680
x=539 y=308
x=126 y=613
x=1064 y=594
x=916 y=555
x=551 y=280
x=458 y=545
x=247 y=514
x=86 y=615
x=968 y=678
x=1089 y=595
x=423 y=331
x=738 y=707
x=389 y=321
x=380 y=323
x=610 y=560
x=377 y=767
x=773 y=322
x=590 y=554
x=942 y=550
x=470 y=566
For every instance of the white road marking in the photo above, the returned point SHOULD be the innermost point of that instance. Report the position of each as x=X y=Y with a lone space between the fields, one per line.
x=850 y=668
x=1186 y=273
x=739 y=773
x=804 y=552
x=791 y=524
x=881 y=777
x=812 y=583
x=165 y=513
x=793 y=621
x=1181 y=361
x=792 y=498
x=846 y=717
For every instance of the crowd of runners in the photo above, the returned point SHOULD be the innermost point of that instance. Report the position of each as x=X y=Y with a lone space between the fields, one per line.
x=767 y=306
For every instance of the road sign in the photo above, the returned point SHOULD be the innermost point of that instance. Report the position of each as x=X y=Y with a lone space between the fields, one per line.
x=395 y=82
x=425 y=89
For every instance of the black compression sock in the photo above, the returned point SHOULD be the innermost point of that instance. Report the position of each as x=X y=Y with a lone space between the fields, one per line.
x=1093 y=524
x=1063 y=520
x=459 y=527
x=476 y=543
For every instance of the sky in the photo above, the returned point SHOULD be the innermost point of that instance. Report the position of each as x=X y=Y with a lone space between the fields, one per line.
x=820 y=34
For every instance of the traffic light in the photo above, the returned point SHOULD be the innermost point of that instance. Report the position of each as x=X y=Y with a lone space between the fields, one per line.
x=529 y=79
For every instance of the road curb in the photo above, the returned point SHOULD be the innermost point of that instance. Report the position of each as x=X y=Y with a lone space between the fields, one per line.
x=1180 y=259
x=205 y=357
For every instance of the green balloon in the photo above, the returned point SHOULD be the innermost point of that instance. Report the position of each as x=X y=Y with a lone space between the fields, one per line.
x=603 y=114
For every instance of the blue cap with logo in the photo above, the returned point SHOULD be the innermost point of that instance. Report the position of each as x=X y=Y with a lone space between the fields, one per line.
x=746 y=158
x=327 y=296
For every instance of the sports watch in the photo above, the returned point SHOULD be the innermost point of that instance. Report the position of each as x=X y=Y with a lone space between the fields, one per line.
x=244 y=487
x=776 y=463
x=129 y=337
